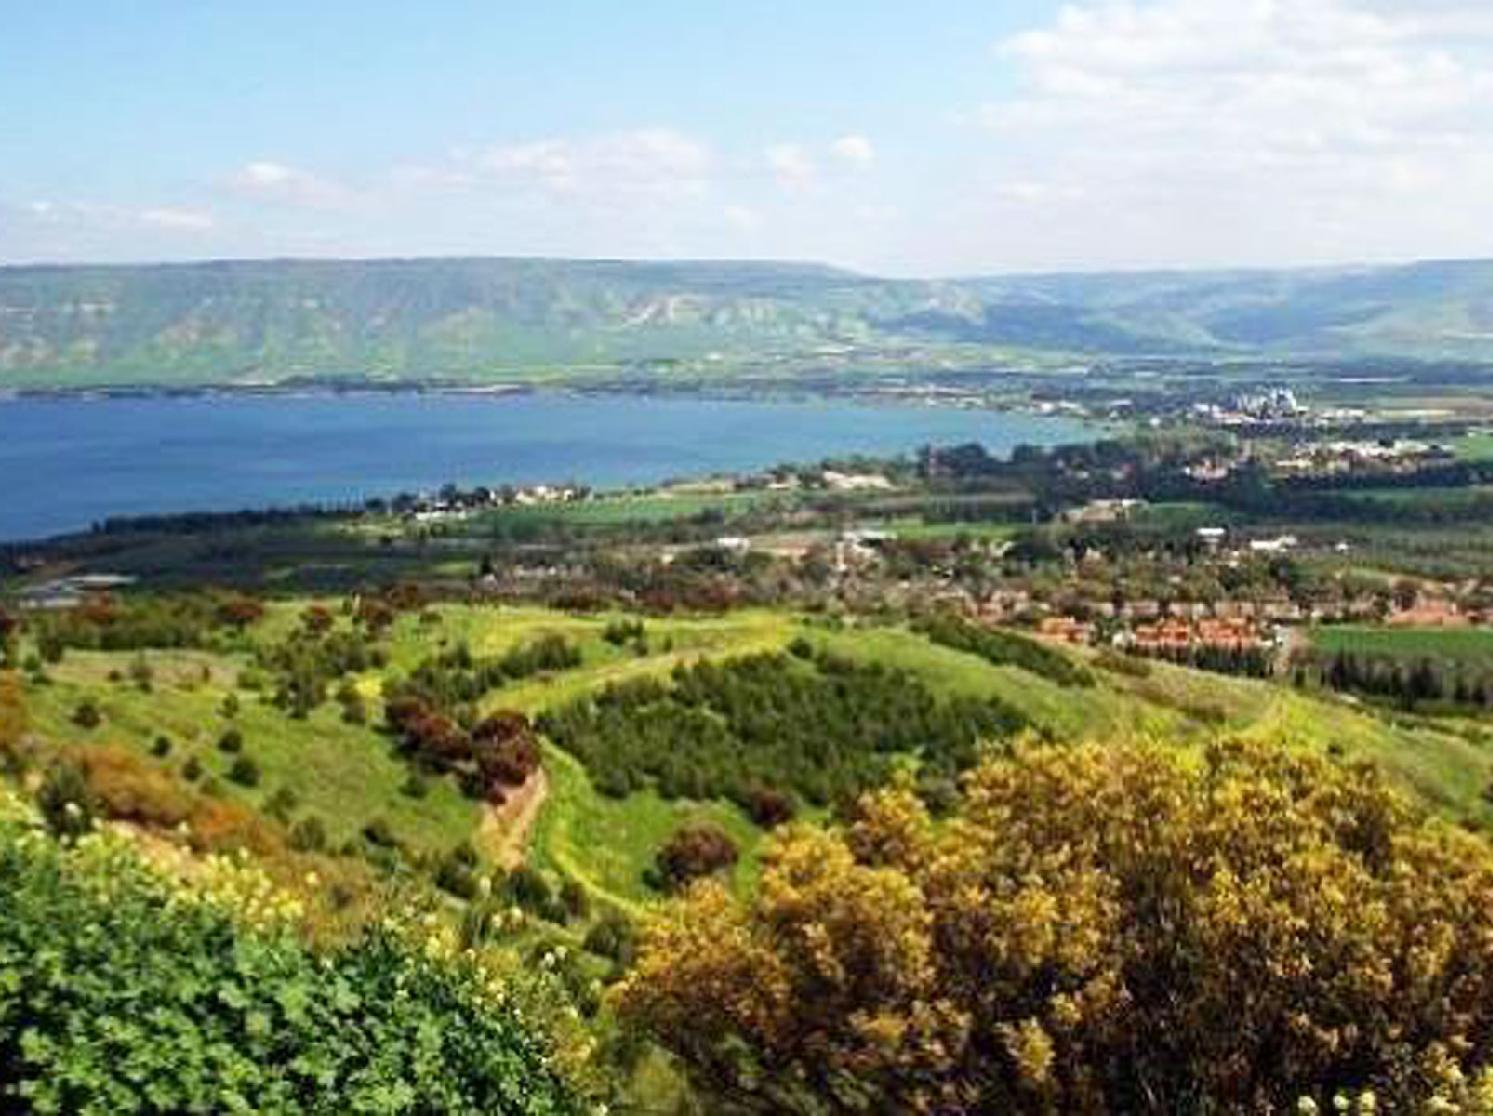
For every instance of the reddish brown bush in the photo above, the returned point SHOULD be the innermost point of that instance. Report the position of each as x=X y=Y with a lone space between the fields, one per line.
x=695 y=851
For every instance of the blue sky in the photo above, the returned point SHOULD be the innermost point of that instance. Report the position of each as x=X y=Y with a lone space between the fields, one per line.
x=936 y=138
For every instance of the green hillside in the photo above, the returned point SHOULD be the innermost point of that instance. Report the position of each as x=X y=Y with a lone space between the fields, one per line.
x=487 y=320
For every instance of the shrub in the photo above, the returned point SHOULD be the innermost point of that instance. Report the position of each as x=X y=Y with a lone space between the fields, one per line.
x=192 y=769
x=149 y=1001
x=456 y=872
x=65 y=801
x=87 y=715
x=696 y=850
x=576 y=898
x=1004 y=648
x=527 y=888
x=161 y=747
x=123 y=785
x=231 y=741
x=380 y=833
x=612 y=936
x=282 y=804
x=415 y=786
x=769 y=808
x=244 y=772
x=1102 y=929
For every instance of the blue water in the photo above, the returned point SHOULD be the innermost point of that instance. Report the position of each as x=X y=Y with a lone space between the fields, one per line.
x=66 y=463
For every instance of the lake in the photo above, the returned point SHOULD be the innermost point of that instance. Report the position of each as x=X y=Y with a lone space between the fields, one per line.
x=68 y=462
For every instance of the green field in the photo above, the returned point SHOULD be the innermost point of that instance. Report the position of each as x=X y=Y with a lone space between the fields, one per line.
x=1466 y=646
x=1475 y=447
x=628 y=509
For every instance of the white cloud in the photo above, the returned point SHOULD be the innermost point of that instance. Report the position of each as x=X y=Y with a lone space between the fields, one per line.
x=792 y=167
x=649 y=162
x=266 y=180
x=1195 y=130
x=856 y=150
x=83 y=215
x=184 y=220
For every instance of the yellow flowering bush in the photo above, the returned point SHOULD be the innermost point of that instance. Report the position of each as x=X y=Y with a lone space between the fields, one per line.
x=1096 y=929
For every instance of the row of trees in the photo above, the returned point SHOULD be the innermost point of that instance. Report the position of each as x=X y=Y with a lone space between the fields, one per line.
x=1407 y=682
x=456 y=677
x=1005 y=648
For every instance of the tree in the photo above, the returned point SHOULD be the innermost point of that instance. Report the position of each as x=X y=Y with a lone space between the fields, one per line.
x=14 y=719
x=695 y=850
x=1097 y=930
x=10 y=627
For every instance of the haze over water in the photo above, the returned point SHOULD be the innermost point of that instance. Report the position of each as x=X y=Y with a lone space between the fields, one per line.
x=67 y=463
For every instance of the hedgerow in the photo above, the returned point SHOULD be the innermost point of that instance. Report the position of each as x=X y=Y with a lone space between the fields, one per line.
x=1003 y=648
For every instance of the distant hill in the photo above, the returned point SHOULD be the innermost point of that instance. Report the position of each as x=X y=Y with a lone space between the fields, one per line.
x=488 y=319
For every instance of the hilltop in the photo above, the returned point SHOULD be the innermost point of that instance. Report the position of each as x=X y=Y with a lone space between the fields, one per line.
x=254 y=322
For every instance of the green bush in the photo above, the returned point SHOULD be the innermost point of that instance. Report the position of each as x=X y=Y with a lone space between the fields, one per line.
x=244 y=772
x=116 y=996
x=1003 y=648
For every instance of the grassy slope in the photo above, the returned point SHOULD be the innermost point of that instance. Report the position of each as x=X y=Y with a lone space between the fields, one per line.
x=344 y=774
x=347 y=774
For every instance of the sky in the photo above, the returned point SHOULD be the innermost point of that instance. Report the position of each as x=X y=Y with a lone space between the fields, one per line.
x=942 y=138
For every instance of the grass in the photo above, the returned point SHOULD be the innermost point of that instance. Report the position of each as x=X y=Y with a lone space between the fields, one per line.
x=346 y=775
x=1475 y=447
x=633 y=508
x=607 y=844
x=917 y=529
x=1471 y=647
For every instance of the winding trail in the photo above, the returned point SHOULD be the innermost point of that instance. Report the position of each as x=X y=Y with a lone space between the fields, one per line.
x=506 y=829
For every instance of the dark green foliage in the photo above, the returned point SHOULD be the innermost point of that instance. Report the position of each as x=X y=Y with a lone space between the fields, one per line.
x=114 y=998
x=66 y=803
x=528 y=889
x=612 y=936
x=415 y=785
x=282 y=804
x=378 y=832
x=87 y=715
x=576 y=899
x=1407 y=681
x=231 y=742
x=455 y=678
x=244 y=772
x=824 y=729
x=307 y=663
x=192 y=769
x=137 y=623
x=1004 y=648
x=161 y=747
x=457 y=872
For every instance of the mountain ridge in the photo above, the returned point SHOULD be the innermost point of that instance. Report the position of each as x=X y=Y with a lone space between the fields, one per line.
x=477 y=318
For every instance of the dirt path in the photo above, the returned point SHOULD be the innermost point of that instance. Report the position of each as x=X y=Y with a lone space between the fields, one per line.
x=506 y=828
